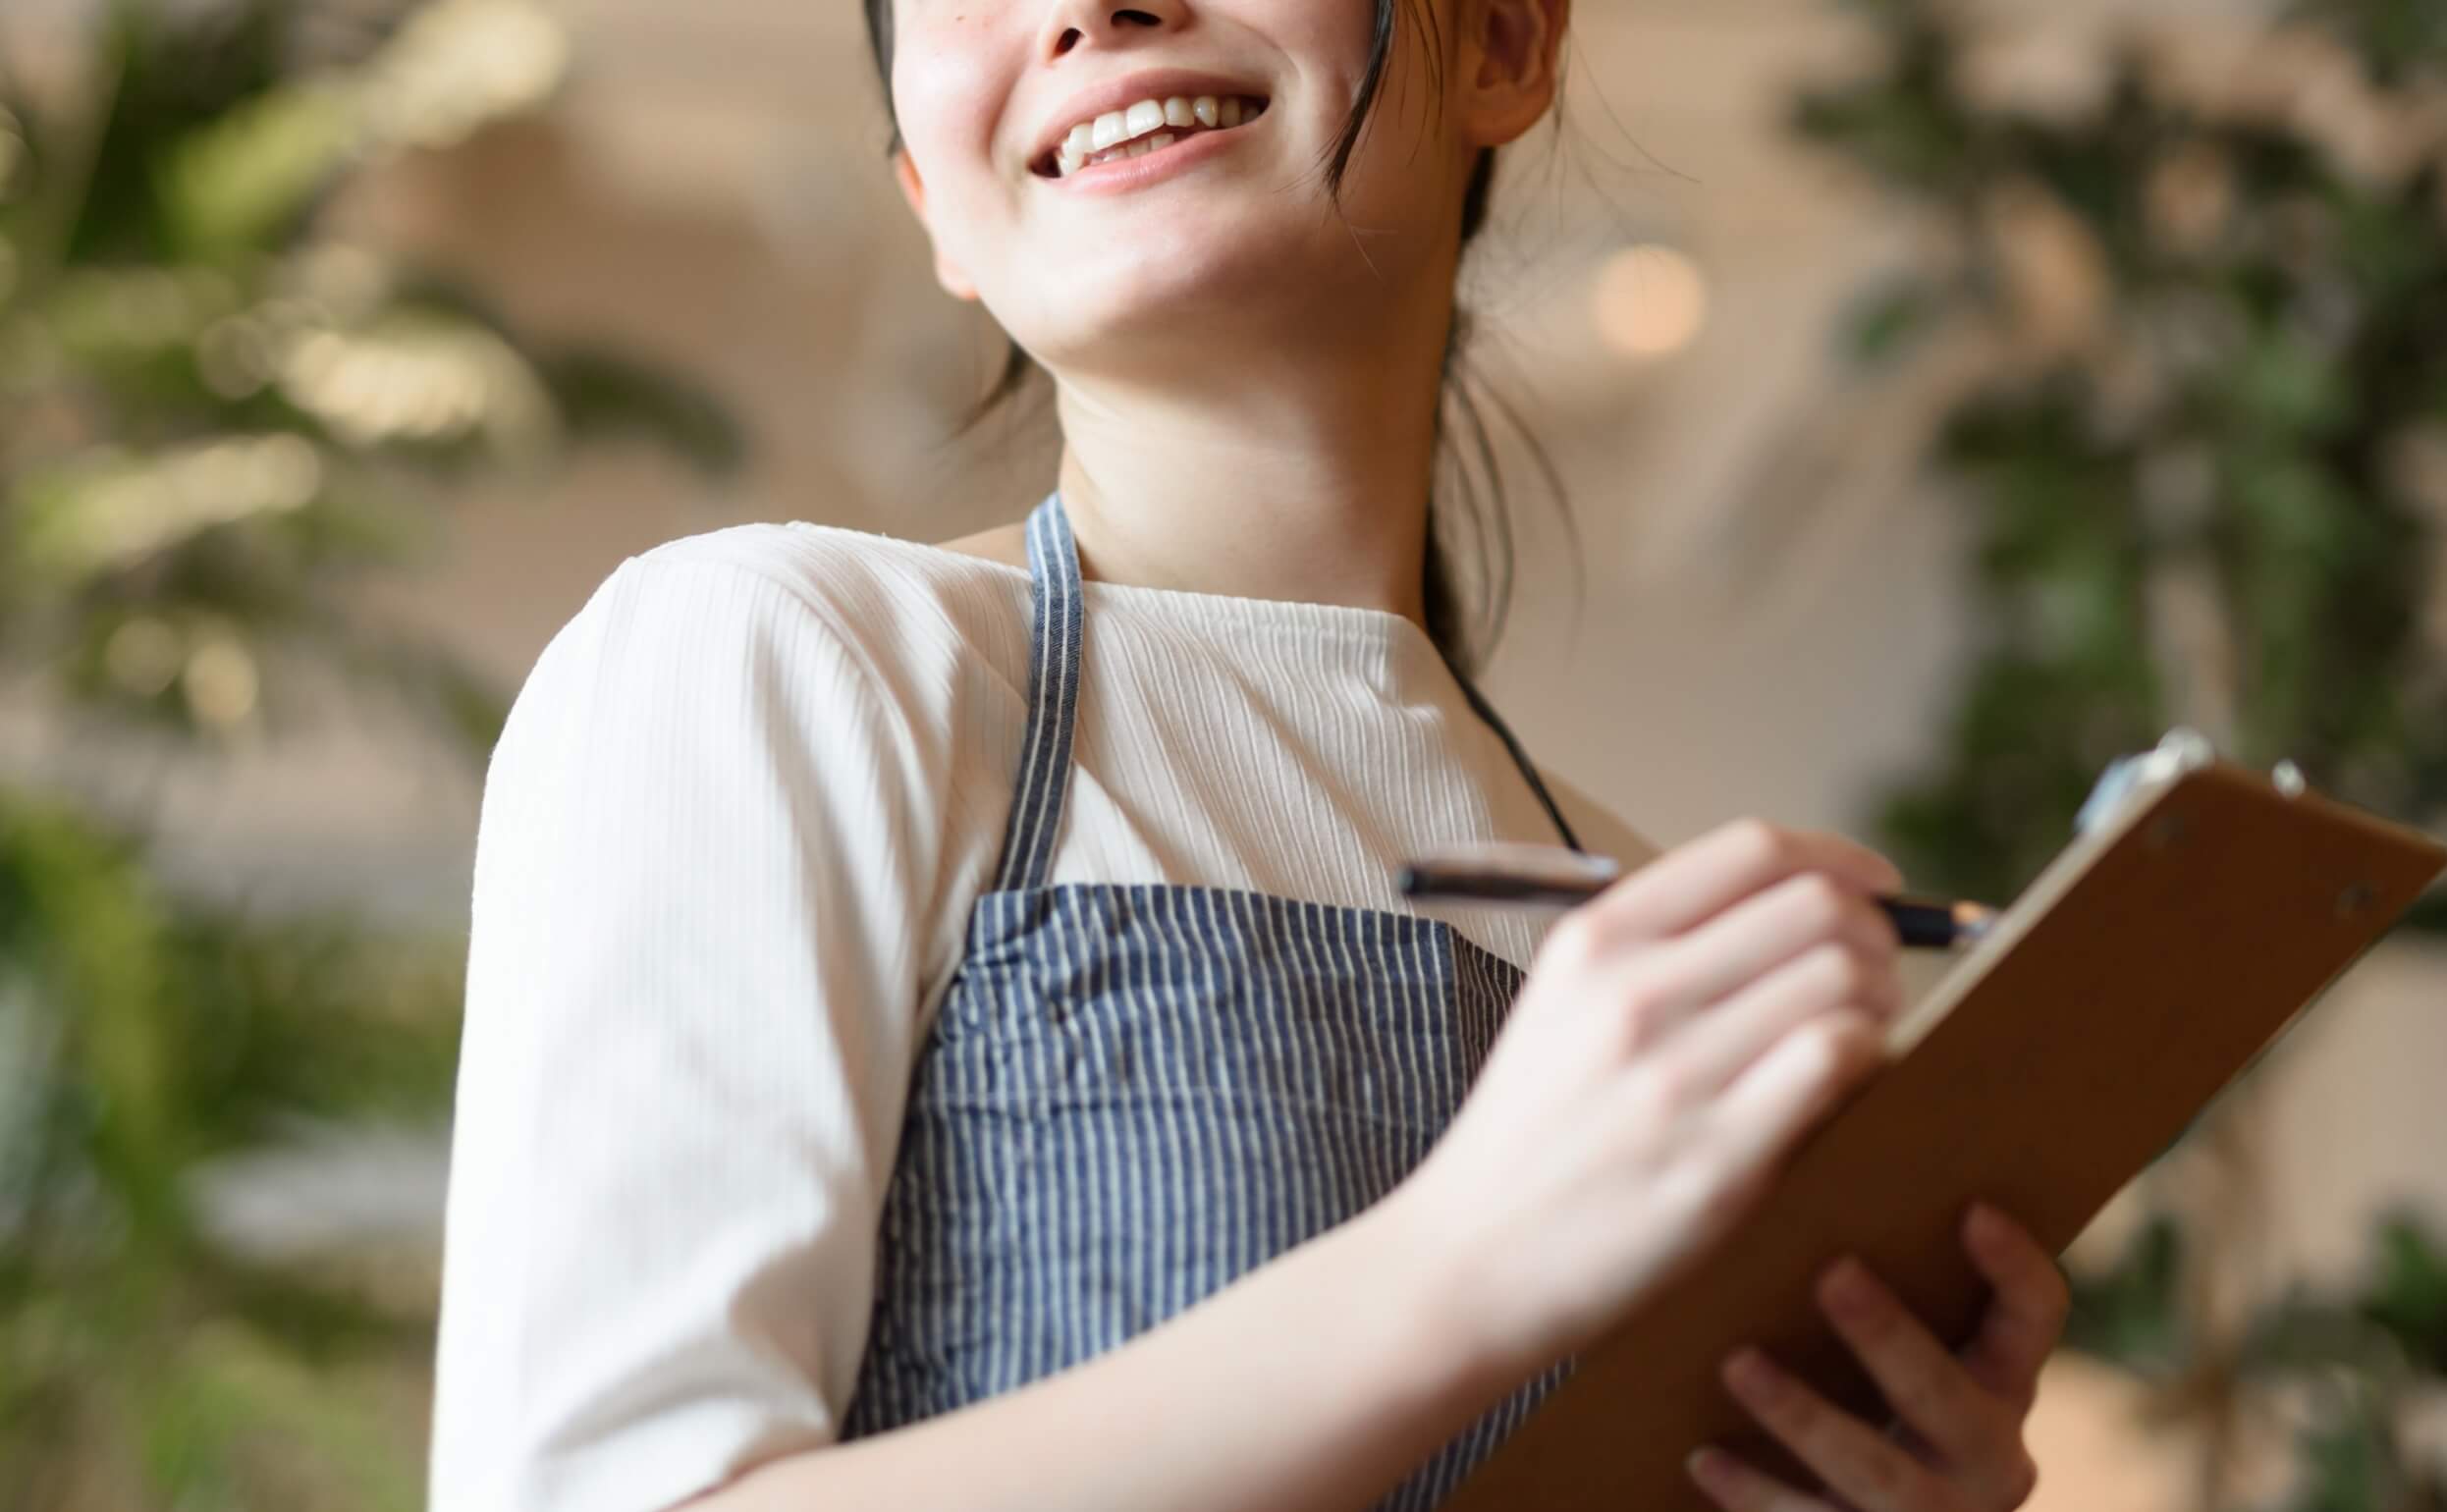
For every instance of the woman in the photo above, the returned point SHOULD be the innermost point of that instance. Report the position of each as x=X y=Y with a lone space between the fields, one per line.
x=940 y=1035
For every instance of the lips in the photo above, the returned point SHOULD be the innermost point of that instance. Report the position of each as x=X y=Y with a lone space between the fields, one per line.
x=1150 y=89
x=1148 y=126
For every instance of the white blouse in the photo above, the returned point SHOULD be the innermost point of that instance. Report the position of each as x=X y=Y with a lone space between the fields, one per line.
x=729 y=843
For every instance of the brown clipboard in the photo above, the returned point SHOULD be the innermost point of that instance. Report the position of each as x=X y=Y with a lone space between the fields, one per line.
x=2150 y=963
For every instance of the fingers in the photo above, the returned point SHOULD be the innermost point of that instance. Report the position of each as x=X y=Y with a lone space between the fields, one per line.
x=1781 y=1095
x=1694 y=881
x=1975 y=1433
x=1754 y=937
x=1739 y=1487
x=1718 y=1042
x=1859 y=1463
x=2027 y=1315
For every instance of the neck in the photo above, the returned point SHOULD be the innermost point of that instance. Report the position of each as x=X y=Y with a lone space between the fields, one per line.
x=1306 y=480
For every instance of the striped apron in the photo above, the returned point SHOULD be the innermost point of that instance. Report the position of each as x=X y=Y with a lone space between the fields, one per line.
x=1134 y=1093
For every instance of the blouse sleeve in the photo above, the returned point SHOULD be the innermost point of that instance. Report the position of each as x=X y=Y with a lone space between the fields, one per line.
x=702 y=872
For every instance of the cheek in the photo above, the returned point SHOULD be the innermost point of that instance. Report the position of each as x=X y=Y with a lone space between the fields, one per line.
x=1328 y=42
x=1323 y=44
x=1325 y=34
x=952 y=69
x=1401 y=174
x=950 y=75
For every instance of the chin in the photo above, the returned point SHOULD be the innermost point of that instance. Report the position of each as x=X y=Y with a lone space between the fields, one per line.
x=1162 y=304
x=1200 y=285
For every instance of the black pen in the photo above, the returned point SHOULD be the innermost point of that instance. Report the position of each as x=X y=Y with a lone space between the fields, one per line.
x=1548 y=875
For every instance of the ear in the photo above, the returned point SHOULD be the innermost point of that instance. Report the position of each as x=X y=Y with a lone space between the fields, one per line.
x=913 y=190
x=1510 y=54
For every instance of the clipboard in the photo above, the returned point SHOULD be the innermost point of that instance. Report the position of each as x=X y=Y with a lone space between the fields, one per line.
x=2201 y=910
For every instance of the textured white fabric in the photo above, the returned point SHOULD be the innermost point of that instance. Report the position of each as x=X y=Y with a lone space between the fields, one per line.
x=729 y=843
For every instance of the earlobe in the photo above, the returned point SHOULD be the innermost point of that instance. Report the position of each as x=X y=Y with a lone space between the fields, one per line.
x=913 y=190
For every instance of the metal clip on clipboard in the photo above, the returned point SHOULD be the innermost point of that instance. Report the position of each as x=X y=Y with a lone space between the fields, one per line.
x=2179 y=750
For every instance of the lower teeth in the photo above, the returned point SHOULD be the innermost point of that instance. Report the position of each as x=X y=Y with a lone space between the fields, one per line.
x=1142 y=148
x=1156 y=143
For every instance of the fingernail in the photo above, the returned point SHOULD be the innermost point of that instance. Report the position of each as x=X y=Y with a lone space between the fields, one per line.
x=1752 y=1376
x=1848 y=1289
x=1988 y=1227
x=1706 y=1465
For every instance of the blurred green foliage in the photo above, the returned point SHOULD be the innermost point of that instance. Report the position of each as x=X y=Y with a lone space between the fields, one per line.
x=2356 y=1370
x=2205 y=435
x=218 y=422
x=2218 y=319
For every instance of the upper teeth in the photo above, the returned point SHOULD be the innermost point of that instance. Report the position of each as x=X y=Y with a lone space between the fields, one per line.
x=1121 y=129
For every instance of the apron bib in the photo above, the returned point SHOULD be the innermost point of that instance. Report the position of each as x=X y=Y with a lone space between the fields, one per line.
x=1135 y=1094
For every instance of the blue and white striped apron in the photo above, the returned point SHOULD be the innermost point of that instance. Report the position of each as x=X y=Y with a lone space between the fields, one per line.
x=1134 y=1093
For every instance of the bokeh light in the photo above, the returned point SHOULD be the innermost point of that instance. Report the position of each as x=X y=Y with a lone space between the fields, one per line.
x=1651 y=300
x=115 y=507
x=145 y=656
x=220 y=682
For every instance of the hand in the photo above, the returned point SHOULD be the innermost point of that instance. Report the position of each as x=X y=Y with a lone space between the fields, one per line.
x=1676 y=1037
x=1958 y=1440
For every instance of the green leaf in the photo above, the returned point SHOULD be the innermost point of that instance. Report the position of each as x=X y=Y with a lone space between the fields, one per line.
x=2407 y=1294
x=598 y=390
x=2281 y=383
x=602 y=393
x=224 y=1390
x=2347 y=1466
x=2396 y=38
x=1886 y=321
x=243 y=181
x=2307 y=1335
x=2130 y=1314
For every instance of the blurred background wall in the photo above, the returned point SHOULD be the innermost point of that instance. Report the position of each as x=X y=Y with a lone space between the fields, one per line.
x=1768 y=609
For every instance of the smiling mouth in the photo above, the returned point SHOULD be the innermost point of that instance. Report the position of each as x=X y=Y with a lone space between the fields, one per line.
x=1150 y=126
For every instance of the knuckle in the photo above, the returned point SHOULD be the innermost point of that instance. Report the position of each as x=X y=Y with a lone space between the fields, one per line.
x=1877 y=980
x=2022 y=1483
x=1646 y=1127
x=1641 y=1013
x=1761 y=842
x=1882 y=864
x=1825 y=902
x=1641 y=998
x=2057 y=1296
x=1859 y=859
x=1835 y=1044
x=1815 y=1043
x=1574 y=944
x=1642 y=1122
x=1839 y=972
x=1863 y=980
x=1876 y=1322
x=1920 y=1401
x=1635 y=1032
x=1867 y=926
x=1730 y=1191
x=1673 y=1084
x=1705 y=1193
x=1893 y=1479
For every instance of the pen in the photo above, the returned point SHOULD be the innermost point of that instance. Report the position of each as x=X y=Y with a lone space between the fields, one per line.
x=1548 y=875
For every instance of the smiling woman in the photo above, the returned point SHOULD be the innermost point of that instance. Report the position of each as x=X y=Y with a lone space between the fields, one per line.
x=1477 y=482
x=942 y=1028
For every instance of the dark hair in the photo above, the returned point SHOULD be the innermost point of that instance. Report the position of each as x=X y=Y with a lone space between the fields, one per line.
x=1489 y=527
